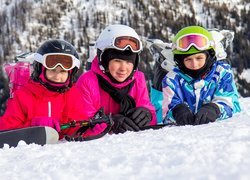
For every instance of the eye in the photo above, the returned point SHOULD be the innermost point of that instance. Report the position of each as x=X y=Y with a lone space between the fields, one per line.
x=53 y=70
x=117 y=60
x=201 y=57
x=63 y=71
x=129 y=61
x=187 y=59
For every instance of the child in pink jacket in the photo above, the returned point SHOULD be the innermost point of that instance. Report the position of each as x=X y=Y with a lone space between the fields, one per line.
x=50 y=97
x=115 y=84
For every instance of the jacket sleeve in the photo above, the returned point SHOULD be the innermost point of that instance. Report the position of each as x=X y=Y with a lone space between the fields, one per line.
x=172 y=96
x=14 y=116
x=226 y=94
x=142 y=96
x=87 y=84
x=89 y=90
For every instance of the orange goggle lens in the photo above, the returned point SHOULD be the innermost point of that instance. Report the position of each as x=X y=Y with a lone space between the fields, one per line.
x=52 y=61
x=123 y=41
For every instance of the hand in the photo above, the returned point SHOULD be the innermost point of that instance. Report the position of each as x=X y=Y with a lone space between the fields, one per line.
x=123 y=124
x=140 y=115
x=183 y=115
x=207 y=113
x=46 y=121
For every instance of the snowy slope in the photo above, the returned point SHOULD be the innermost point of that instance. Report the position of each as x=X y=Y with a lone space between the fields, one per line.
x=215 y=151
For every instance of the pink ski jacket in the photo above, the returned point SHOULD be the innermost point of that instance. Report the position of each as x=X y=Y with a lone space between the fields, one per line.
x=95 y=97
x=34 y=100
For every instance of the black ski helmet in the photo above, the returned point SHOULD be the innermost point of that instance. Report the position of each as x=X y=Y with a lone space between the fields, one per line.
x=55 y=46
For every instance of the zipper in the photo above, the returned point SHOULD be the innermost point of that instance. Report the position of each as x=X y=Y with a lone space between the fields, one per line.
x=198 y=86
x=49 y=109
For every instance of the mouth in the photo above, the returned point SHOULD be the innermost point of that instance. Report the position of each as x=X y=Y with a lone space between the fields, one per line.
x=121 y=74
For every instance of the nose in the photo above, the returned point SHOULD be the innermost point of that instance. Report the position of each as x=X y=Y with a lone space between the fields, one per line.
x=123 y=65
x=57 y=76
x=194 y=63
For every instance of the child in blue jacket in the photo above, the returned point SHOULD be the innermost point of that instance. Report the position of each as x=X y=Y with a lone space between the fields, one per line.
x=200 y=89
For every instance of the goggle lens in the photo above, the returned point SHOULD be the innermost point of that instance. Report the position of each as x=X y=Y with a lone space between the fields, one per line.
x=52 y=60
x=199 y=41
x=124 y=41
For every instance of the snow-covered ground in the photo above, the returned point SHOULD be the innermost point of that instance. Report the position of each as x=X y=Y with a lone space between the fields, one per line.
x=218 y=150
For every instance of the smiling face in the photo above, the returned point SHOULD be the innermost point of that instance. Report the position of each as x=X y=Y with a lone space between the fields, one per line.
x=195 y=61
x=57 y=75
x=120 y=69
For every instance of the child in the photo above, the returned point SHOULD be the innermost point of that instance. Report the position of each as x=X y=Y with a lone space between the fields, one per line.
x=200 y=89
x=50 y=97
x=115 y=83
x=162 y=55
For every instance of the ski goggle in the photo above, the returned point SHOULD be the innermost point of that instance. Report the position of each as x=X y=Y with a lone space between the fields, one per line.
x=52 y=60
x=122 y=43
x=199 y=41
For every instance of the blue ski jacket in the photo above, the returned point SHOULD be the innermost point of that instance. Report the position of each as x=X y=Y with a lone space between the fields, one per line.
x=217 y=86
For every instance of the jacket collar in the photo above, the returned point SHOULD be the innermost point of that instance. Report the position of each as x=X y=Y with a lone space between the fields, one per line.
x=38 y=90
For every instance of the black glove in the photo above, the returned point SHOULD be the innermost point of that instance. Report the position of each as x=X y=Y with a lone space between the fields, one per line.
x=159 y=74
x=183 y=115
x=123 y=124
x=140 y=115
x=207 y=113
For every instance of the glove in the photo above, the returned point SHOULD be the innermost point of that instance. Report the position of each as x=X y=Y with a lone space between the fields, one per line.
x=183 y=115
x=123 y=124
x=207 y=113
x=141 y=116
x=46 y=121
x=159 y=74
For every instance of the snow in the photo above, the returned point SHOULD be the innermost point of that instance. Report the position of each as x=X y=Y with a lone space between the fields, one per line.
x=217 y=150
x=245 y=75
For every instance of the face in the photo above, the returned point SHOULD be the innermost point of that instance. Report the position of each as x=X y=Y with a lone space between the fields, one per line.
x=120 y=69
x=195 y=61
x=57 y=75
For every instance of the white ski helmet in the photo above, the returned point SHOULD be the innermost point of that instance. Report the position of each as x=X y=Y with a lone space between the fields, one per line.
x=109 y=34
x=119 y=37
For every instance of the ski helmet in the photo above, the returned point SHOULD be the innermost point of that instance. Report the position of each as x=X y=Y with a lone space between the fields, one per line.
x=192 y=40
x=121 y=38
x=192 y=49
x=60 y=47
